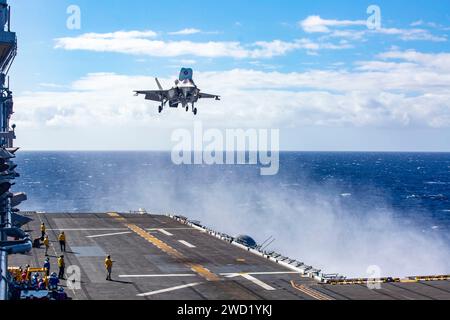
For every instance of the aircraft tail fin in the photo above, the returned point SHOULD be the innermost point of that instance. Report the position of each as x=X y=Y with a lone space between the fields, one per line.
x=186 y=74
x=159 y=84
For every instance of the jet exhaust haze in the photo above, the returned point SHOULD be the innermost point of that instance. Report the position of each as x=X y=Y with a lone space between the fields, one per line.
x=311 y=221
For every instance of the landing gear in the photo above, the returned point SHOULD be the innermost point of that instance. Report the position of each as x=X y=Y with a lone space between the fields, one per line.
x=187 y=109
x=194 y=109
x=160 y=109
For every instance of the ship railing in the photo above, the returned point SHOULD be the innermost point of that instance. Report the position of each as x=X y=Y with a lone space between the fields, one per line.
x=332 y=276
x=27 y=213
x=292 y=264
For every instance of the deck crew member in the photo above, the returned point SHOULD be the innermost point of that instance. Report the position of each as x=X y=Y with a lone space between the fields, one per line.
x=43 y=229
x=53 y=282
x=62 y=241
x=46 y=244
x=61 y=266
x=47 y=266
x=108 y=266
x=24 y=276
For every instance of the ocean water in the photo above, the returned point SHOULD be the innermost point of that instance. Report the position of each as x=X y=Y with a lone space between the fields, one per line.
x=341 y=212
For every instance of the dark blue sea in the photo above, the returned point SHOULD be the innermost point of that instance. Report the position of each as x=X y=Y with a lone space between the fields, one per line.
x=341 y=212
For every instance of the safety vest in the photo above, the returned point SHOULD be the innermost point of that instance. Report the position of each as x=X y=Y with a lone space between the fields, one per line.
x=62 y=237
x=46 y=242
x=60 y=262
x=108 y=263
x=43 y=228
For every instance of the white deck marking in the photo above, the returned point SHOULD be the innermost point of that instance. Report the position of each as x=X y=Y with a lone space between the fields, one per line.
x=187 y=244
x=90 y=229
x=232 y=275
x=257 y=282
x=156 y=229
x=152 y=293
x=115 y=229
x=109 y=234
x=157 y=275
x=165 y=232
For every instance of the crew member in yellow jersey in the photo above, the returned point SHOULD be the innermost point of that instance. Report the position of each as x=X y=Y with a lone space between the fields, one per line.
x=61 y=266
x=46 y=244
x=108 y=266
x=62 y=241
x=43 y=229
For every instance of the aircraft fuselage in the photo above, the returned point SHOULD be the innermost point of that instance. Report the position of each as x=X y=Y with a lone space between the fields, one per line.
x=183 y=94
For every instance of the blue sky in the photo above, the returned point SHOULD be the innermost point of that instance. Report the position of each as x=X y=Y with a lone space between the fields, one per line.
x=269 y=47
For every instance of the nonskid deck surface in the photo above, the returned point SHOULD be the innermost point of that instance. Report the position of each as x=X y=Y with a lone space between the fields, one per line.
x=157 y=257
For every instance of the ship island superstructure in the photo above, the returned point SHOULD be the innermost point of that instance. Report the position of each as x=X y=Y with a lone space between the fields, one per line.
x=13 y=240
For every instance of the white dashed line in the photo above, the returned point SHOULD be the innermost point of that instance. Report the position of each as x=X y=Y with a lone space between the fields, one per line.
x=232 y=275
x=89 y=229
x=152 y=293
x=258 y=282
x=249 y=276
x=165 y=232
x=108 y=234
x=157 y=275
x=187 y=244
x=156 y=229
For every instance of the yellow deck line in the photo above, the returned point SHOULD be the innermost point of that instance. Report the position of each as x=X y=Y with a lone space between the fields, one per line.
x=203 y=272
x=199 y=269
x=116 y=216
x=311 y=292
x=113 y=214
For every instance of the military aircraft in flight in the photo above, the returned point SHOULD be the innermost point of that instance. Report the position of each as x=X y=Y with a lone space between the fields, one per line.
x=184 y=93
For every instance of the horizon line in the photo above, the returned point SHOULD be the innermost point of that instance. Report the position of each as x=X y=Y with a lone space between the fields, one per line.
x=280 y=151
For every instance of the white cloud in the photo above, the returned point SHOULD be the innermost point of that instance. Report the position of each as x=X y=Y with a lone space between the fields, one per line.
x=316 y=24
x=138 y=43
x=439 y=62
x=417 y=23
x=122 y=35
x=413 y=91
x=349 y=34
x=313 y=24
x=412 y=34
x=428 y=24
x=264 y=49
x=185 y=62
x=187 y=31
x=141 y=46
x=51 y=85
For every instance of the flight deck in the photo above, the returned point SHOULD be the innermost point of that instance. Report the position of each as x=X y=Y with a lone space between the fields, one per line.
x=158 y=257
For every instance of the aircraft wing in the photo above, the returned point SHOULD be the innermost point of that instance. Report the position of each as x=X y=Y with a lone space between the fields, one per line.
x=154 y=95
x=208 y=96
